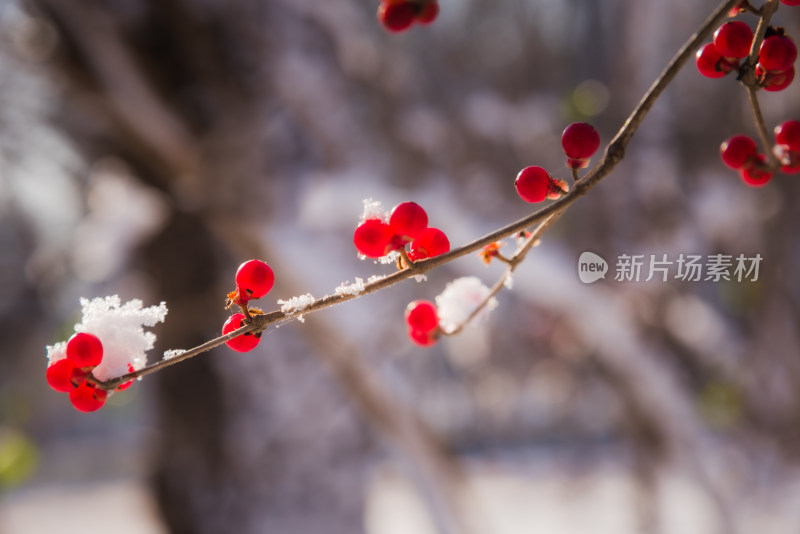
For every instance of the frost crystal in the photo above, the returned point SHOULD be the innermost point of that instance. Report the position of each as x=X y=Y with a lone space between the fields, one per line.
x=347 y=288
x=169 y=354
x=296 y=304
x=120 y=328
x=373 y=209
x=390 y=258
x=459 y=299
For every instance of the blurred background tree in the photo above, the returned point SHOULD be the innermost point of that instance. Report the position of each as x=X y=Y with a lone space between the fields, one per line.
x=148 y=147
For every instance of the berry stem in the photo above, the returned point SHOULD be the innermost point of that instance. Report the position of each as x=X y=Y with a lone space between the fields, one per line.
x=761 y=127
x=750 y=82
x=614 y=153
x=512 y=262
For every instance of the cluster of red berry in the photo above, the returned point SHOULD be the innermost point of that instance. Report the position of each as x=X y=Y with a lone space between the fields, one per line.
x=407 y=224
x=732 y=42
x=70 y=375
x=580 y=141
x=774 y=71
x=740 y=153
x=422 y=319
x=399 y=15
x=254 y=279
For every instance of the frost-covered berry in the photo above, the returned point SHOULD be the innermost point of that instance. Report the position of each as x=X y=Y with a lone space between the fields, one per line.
x=431 y=242
x=422 y=315
x=737 y=151
x=88 y=398
x=373 y=238
x=63 y=376
x=244 y=342
x=757 y=173
x=733 y=39
x=533 y=184
x=397 y=16
x=777 y=53
x=254 y=279
x=580 y=141
x=711 y=64
x=407 y=221
x=85 y=350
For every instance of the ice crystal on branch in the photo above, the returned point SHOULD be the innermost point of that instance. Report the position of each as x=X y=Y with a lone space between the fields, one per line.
x=296 y=304
x=120 y=327
x=347 y=288
x=460 y=299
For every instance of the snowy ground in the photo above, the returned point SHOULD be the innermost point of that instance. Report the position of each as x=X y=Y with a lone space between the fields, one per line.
x=543 y=497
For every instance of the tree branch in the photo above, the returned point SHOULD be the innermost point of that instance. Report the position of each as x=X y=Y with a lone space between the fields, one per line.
x=613 y=154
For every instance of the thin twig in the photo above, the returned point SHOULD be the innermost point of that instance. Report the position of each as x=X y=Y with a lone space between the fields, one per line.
x=614 y=153
x=751 y=83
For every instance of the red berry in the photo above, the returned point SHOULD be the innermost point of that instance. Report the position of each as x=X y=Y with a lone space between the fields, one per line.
x=422 y=315
x=711 y=64
x=84 y=350
x=533 y=184
x=788 y=134
x=87 y=398
x=791 y=2
x=243 y=342
x=254 y=279
x=431 y=242
x=407 y=221
x=733 y=39
x=737 y=150
x=580 y=141
x=428 y=12
x=373 y=238
x=777 y=53
x=63 y=376
x=757 y=173
x=423 y=338
x=397 y=16
x=776 y=80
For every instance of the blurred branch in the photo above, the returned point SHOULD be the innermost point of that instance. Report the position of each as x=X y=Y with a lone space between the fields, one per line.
x=126 y=92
